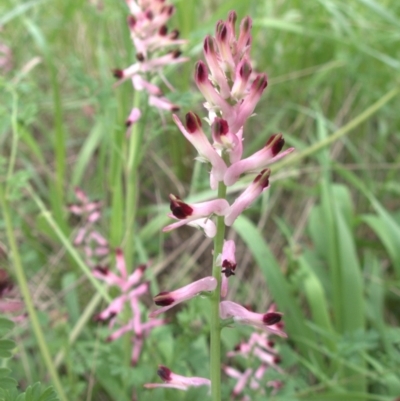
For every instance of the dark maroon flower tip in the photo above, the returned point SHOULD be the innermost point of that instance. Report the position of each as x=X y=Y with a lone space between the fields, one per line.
x=245 y=70
x=201 y=73
x=263 y=178
x=246 y=24
x=140 y=57
x=175 y=108
x=142 y=267
x=223 y=32
x=118 y=73
x=176 y=53
x=163 y=30
x=271 y=343
x=232 y=17
x=108 y=339
x=208 y=45
x=272 y=318
x=193 y=122
x=163 y=299
x=164 y=373
x=174 y=34
x=221 y=126
x=102 y=270
x=277 y=360
x=237 y=347
x=276 y=142
x=131 y=21
x=260 y=83
x=179 y=209
x=170 y=10
x=149 y=15
x=119 y=252
x=228 y=272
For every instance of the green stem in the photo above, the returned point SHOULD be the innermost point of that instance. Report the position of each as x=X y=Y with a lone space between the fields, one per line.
x=131 y=182
x=215 y=325
x=23 y=286
x=68 y=246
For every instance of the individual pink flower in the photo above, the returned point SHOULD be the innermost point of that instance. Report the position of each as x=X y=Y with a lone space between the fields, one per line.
x=193 y=213
x=195 y=135
x=241 y=377
x=168 y=299
x=133 y=117
x=240 y=314
x=172 y=380
x=269 y=154
x=225 y=141
x=247 y=197
x=227 y=261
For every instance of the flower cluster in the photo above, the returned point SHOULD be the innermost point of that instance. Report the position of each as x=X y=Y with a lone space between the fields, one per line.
x=232 y=90
x=150 y=36
x=95 y=246
x=261 y=348
x=131 y=289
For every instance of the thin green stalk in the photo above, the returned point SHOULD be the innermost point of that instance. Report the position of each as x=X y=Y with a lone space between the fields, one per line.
x=288 y=161
x=131 y=182
x=68 y=246
x=215 y=326
x=23 y=286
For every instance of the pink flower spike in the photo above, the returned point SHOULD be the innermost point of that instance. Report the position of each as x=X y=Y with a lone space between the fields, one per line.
x=240 y=314
x=195 y=135
x=260 y=183
x=169 y=299
x=172 y=380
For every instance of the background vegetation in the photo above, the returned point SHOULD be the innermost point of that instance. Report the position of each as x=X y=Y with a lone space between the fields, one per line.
x=323 y=243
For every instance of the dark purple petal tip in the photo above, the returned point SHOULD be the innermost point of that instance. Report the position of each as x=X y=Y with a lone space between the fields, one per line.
x=164 y=373
x=272 y=318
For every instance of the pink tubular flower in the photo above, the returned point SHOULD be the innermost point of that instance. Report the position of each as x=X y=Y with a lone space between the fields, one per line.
x=227 y=261
x=169 y=299
x=259 y=160
x=195 y=135
x=172 y=380
x=260 y=184
x=226 y=141
x=240 y=314
x=133 y=117
x=193 y=213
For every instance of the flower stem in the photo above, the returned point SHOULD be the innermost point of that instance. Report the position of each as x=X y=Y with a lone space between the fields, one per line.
x=23 y=286
x=215 y=327
x=134 y=148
